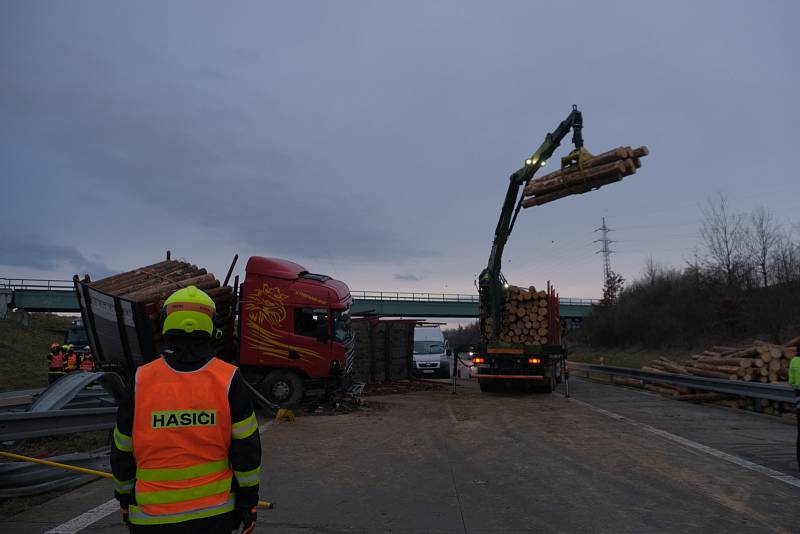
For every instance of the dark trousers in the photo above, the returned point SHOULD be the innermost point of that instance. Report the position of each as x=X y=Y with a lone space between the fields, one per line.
x=218 y=524
x=53 y=376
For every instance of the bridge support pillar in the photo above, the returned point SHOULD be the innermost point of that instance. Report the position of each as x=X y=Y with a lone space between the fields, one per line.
x=6 y=297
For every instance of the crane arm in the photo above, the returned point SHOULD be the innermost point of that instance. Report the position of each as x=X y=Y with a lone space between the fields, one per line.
x=490 y=281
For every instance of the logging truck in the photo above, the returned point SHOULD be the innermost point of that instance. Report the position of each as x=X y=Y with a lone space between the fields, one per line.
x=521 y=327
x=288 y=329
x=515 y=352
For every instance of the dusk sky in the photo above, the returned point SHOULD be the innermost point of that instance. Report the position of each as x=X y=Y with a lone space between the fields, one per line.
x=373 y=141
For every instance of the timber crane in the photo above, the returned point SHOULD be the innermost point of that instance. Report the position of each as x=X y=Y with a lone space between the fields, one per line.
x=491 y=283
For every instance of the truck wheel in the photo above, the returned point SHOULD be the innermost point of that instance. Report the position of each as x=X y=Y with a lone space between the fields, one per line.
x=550 y=382
x=283 y=388
x=488 y=387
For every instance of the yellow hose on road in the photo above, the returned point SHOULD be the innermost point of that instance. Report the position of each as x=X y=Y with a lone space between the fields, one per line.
x=84 y=470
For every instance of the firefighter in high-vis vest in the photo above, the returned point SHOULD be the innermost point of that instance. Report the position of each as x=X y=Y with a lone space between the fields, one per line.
x=86 y=362
x=187 y=454
x=794 y=381
x=55 y=363
x=70 y=358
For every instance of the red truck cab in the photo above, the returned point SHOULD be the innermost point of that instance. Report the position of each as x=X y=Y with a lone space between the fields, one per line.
x=294 y=329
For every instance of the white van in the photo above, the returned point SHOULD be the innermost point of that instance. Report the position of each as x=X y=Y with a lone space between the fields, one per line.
x=430 y=353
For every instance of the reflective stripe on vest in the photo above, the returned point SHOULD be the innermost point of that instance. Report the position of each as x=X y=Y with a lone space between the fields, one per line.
x=138 y=516
x=181 y=437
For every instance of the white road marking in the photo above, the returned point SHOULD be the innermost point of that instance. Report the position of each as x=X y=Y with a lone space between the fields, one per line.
x=86 y=518
x=741 y=462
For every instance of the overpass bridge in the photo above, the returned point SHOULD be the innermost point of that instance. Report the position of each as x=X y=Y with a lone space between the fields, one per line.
x=39 y=295
x=394 y=303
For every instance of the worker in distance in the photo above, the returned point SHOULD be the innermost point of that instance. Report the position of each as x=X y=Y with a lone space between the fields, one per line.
x=187 y=453
x=794 y=381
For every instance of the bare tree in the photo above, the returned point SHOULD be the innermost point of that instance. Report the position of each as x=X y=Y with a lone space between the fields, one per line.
x=785 y=260
x=763 y=236
x=652 y=271
x=723 y=233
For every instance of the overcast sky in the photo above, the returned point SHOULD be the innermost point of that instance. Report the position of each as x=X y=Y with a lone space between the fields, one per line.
x=373 y=140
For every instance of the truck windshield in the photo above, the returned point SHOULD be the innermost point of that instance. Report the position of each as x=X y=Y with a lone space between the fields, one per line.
x=341 y=325
x=428 y=347
x=77 y=336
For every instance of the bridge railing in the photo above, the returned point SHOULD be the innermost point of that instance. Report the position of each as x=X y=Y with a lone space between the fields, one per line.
x=413 y=296
x=578 y=302
x=444 y=297
x=64 y=285
x=36 y=283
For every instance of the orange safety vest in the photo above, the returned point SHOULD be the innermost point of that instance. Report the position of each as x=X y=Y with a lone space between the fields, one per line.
x=72 y=361
x=87 y=364
x=57 y=361
x=181 y=436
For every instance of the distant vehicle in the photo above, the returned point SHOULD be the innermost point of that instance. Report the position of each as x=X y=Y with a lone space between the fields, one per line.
x=77 y=336
x=430 y=353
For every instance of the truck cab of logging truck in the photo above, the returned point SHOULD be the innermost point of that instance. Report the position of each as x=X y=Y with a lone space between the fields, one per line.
x=294 y=330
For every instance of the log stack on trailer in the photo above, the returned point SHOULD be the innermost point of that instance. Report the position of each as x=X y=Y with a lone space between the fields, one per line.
x=149 y=286
x=528 y=317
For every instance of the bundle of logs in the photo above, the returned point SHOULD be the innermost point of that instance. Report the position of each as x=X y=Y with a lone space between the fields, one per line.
x=761 y=362
x=525 y=317
x=151 y=285
x=591 y=173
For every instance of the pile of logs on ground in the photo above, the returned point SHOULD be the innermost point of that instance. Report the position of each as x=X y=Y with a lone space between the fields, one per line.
x=525 y=317
x=152 y=284
x=589 y=174
x=762 y=362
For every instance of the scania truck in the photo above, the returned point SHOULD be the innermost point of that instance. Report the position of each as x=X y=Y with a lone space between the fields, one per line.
x=290 y=328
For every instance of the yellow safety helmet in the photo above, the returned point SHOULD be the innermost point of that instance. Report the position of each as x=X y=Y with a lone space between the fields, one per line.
x=189 y=310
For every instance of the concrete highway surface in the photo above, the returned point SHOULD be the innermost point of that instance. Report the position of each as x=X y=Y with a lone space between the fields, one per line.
x=609 y=459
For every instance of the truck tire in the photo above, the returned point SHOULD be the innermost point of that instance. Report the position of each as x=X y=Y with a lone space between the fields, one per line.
x=488 y=386
x=549 y=382
x=283 y=388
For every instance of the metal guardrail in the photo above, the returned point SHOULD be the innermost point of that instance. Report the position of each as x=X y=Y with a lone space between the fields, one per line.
x=445 y=297
x=25 y=425
x=755 y=390
x=36 y=283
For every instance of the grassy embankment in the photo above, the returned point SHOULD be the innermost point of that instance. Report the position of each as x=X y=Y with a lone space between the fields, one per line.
x=634 y=357
x=23 y=350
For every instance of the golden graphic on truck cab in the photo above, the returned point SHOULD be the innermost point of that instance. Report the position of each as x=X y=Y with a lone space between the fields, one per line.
x=266 y=304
